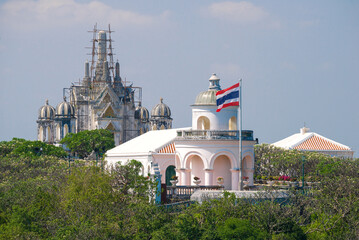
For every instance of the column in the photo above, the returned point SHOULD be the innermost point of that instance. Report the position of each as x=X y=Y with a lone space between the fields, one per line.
x=184 y=176
x=250 y=173
x=208 y=177
x=235 y=178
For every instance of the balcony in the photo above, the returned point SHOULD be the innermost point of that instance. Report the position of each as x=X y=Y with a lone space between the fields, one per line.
x=247 y=135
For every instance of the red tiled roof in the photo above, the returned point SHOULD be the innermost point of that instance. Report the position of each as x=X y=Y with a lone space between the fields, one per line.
x=170 y=148
x=319 y=143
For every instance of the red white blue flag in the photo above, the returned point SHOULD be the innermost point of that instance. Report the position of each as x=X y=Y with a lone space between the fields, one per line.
x=228 y=97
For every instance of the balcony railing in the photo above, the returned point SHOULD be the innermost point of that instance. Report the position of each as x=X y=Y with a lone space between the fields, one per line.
x=247 y=135
x=183 y=193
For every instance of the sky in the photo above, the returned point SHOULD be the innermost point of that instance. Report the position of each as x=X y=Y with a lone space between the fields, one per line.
x=298 y=60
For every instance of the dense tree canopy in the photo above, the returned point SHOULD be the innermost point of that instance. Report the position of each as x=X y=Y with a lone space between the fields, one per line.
x=41 y=199
x=19 y=147
x=274 y=161
x=84 y=142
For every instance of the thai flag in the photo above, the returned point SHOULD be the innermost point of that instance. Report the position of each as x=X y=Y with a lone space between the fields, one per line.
x=228 y=97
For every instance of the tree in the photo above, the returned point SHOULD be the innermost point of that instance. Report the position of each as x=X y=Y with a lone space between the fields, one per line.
x=19 y=147
x=84 y=142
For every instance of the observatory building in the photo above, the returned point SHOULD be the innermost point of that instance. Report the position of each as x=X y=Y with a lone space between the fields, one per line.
x=102 y=100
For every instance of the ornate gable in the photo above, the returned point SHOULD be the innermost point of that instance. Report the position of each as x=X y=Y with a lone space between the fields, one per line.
x=106 y=96
x=108 y=112
x=110 y=127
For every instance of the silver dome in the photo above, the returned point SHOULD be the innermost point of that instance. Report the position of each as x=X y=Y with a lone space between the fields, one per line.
x=46 y=111
x=209 y=97
x=141 y=113
x=65 y=109
x=161 y=110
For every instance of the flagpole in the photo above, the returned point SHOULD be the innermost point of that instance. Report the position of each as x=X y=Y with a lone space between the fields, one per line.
x=240 y=137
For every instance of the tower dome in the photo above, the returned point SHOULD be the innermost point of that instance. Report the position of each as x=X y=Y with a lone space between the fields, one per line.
x=209 y=97
x=46 y=112
x=65 y=109
x=161 y=110
x=141 y=113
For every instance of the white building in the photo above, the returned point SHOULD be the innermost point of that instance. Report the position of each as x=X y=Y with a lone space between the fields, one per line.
x=209 y=149
x=311 y=141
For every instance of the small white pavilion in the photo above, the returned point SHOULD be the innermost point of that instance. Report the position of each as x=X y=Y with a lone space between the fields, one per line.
x=311 y=141
x=208 y=150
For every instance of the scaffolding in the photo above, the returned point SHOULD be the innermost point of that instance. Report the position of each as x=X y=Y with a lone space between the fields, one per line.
x=83 y=97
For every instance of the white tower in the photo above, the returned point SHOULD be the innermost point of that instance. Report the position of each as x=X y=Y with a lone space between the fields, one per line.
x=204 y=115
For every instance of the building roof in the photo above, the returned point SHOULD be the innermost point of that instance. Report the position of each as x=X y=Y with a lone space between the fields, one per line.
x=209 y=97
x=310 y=141
x=152 y=141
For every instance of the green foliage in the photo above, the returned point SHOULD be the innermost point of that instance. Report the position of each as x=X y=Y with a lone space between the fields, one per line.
x=274 y=161
x=18 y=147
x=40 y=199
x=235 y=228
x=84 y=142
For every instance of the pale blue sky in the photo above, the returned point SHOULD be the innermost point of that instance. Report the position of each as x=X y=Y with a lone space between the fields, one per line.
x=299 y=60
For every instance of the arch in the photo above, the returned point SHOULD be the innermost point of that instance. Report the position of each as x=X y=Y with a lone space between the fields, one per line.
x=162 y=127
x=170 y=172
x=177 y=161
x=203 y=123
x=41 y=133
x=58 y=132
x=196 y=165
x=230 y=155
x=48 y=134
x=154 y=127
x=232 y=124
x=222 y=168
x=148 y=170
x=247 y=163
x=247 y=168
x=66 y=129
x=189 y=155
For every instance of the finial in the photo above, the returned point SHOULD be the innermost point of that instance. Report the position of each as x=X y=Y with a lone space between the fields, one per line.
x=64 y=98
x=139 y=103
x=47 y=101
x=161 y=99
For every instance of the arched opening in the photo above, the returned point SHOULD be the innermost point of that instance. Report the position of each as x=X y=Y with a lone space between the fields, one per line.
x=141 y=131
x=58 y=132
x=170 y=172
x=154 y=127
x=162 y=127
x=221 y=168
x=203 y=123
x=48 y=134
x=232 y=123
x=247 y=166
x=197 y=168
x=41 y=134
x=148 y=170
x=66 y=129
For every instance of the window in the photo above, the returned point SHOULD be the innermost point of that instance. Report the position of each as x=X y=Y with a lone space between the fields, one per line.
x=203 y=123
x=232 y=123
